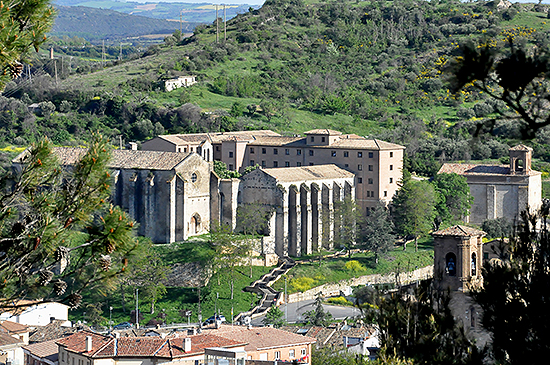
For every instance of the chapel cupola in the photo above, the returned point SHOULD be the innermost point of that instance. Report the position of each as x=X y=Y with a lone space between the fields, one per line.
x=520 y=159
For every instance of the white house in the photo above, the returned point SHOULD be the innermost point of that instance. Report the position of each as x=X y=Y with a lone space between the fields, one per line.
x=182 y=81
x=38 y=314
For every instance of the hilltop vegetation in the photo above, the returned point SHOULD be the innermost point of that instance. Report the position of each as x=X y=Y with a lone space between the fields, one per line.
x=372 y=68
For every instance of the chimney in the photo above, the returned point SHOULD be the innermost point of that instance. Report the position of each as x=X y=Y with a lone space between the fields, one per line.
x=88 y=343
x=117 y=334
x=187 y=344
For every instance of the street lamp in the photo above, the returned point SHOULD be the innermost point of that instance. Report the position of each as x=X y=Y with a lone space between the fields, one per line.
x=110 y=318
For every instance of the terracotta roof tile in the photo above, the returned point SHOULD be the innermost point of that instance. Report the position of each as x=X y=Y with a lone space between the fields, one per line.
x=54 y=330
x=6 y=339
x=329 y=132
x=459 y=230
x=77 y=342
x=521 y=147
x=45 y=350
x=307 y=173
x=260 y=338
x=13 y=327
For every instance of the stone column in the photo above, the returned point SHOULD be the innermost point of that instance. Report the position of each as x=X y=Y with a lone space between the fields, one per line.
x=316 y=221
x=491 y=202
x=305 y=203
x=327 y=216
x=281 y=226
x=172 y=212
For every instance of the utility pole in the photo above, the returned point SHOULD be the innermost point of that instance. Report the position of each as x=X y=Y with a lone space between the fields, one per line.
x=137 y=309
x=217 y=25
x=110 y=318
x=224 y=25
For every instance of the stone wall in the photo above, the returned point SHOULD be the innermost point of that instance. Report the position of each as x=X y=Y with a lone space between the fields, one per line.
x=345 y=285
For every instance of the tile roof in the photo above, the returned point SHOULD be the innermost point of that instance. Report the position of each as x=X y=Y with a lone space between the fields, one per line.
x=474 y=169
x=261 y=338
x=459 y=230
x=6 y=340
x=278 y=141
x=54 y=330
x=216 y=137
x=127 y=159
x=351 y=142
x=45 y=350
x=521 y=147
x=321 y=334
x=169 y=347
x=13 y=327
x=329 y=132
x=305 y=173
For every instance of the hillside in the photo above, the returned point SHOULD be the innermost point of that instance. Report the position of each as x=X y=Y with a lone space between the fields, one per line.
x=372 y=68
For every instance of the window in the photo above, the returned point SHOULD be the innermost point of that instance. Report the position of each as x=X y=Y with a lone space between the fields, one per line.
x=263 y=163
x=370 y=181
x=311 y=164
x=291 y=354
x=275 y=151
x=346 y=165
x=287 y=164
x=252 y=163
x=191 y=149
x=391 y=180
x=359 y=154
x=360 y=167
x=371 y=154
x=391 y=154
x=230 y=166
x=322 y=139
x=333 y=153
x=63 y=357
x=370 y=167
x=391 y=167
x=346 y=154
x=193 y=177
x=185 y=149
x=311 y=152
x=251 y=149
x=312 y=139
x=264 y=151
x=450 y=264
x=359 y=180
x=217 y=148
x=275 y=164
x=372 y=194
x=299 y=152
x=287 y=151
x=230 y=154
x=474 y=264
x=486 y=256
x=385 y=193
x=303 y=352
x=298 y=164
x=277 y=355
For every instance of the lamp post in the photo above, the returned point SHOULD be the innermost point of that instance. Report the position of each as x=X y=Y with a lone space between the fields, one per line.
x=110 y=318
x=137 y=308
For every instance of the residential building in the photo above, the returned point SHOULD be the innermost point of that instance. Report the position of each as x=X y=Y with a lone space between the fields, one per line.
x=501 y=190
x=182 y=81
x=13 y=336
x=41 y=353
x=37 y=314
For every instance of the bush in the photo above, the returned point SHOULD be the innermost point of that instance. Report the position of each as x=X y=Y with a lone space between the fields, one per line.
x=302 y=284
x=339 y=301
x=354 y=266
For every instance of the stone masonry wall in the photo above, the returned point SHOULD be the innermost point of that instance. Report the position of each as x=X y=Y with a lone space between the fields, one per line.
x=345 y=285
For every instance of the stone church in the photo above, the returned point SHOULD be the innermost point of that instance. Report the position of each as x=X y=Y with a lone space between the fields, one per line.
x=501 y=190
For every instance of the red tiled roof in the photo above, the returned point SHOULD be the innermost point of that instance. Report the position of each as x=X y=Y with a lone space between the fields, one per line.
x=6 y=339
x=474 y=169
x=458 y=230
x=77 y=342
x=46 y=349
x=13 y=327
x=260 y=338
x=521 y=147
x=329 y=132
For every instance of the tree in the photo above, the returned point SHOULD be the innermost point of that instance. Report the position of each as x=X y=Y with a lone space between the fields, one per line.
x=220 y=168
x=497 y=228
x=318 y=316
x=252 y=219
x=414 y=209
x=347 y=220
x=377 y=231
x=514 y=296
x=274 y=316
x=59 y=235
x=454 y=198
x=513 y=75
x=24 y=25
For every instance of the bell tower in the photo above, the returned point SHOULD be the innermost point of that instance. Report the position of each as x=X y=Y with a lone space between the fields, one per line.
x=458 y=254
x=520 y=159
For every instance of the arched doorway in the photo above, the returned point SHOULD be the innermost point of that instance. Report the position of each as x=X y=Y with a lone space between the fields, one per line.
x=195 y=224
x=450 y=264
x=474 y=264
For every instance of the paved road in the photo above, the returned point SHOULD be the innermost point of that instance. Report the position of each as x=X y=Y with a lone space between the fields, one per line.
x=296 y=311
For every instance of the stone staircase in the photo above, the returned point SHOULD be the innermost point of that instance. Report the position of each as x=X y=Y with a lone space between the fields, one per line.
x=263 y=286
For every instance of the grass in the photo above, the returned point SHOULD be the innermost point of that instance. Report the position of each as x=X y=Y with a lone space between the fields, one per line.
x=546 y=189
x=312 y=274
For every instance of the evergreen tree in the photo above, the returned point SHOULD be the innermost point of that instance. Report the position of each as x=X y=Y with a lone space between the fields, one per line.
x=274 y=316
x=378 y=234
x=318 y=316
x=59 y=234
x=347 y=222
x=454 y=198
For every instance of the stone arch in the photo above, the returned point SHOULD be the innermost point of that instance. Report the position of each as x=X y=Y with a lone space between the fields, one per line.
x=473 y=264
x=450 y=264
x=519 y=165
x=195 y=224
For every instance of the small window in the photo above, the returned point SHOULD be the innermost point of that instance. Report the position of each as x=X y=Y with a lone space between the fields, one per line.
x=486 y=256
x=275 y=164
x=346 y=154
x=304 y=352
x=370 y=167
x=252 y=163
x=275 y=151
x=263 y=164
x=185 y=149
x=346 y=165
x=193 y=177
x=391 y=167
x=217 y=148
x=474 y=264
x=311 y=164
x=370 y=181
x=333 y=153
x=264 y=151
x=322 y=139
x=359 y=154
x=372 y=194
x=391 y=154
x=311 y=152
x=359 y=180
x=231 y=167
x=385 y=193
x=360 y=167
x=450 y=264
x=291 y=354
x=391 y=180
x=277 y=355
x=230 y=154
x=368 y=193
x=287 y=164
x=312 y=139
x=299 y=164
x=191 y=149
x=251 y=149
x=371 y=154
x=299 y=152
x=287 y=151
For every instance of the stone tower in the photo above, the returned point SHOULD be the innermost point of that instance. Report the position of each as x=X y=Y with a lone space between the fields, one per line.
x=520 y=159
x=458 y=255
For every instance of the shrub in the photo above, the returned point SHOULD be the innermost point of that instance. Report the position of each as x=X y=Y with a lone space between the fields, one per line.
x=354 y=266
x=339 y=301
x=302 y=284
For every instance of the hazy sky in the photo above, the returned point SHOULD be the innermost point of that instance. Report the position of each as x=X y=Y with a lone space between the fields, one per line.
x=259 y=2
